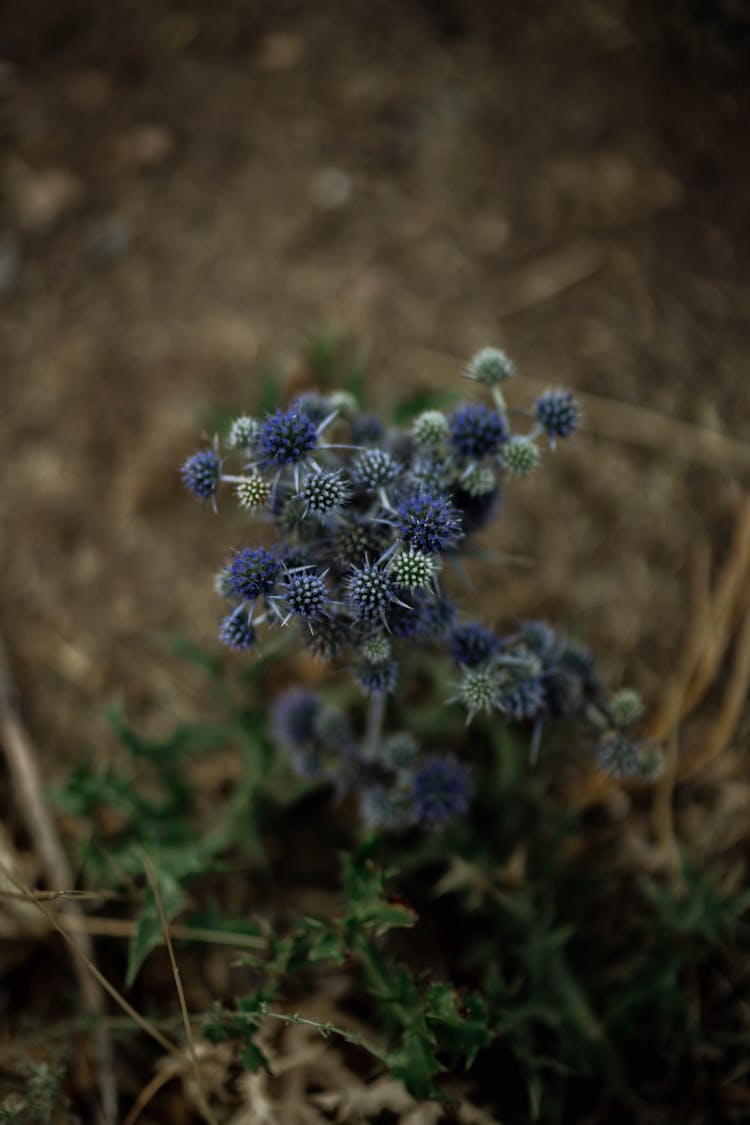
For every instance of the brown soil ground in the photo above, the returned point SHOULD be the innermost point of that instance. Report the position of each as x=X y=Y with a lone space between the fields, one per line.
x=189 y=191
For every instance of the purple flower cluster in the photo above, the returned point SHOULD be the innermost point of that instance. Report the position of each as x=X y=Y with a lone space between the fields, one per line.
x=362 y=518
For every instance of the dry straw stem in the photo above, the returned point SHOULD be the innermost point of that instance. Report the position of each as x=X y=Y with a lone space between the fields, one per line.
x=21 y=758
x=203 y=1105
x=126 y=928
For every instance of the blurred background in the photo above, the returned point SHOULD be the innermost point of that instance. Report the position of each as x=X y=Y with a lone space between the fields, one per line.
x=194 y=195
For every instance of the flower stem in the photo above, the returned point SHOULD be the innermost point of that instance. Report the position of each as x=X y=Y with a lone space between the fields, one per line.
x=374 y=732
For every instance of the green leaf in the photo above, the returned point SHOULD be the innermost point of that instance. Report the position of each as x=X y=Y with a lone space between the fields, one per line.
x=148 y=932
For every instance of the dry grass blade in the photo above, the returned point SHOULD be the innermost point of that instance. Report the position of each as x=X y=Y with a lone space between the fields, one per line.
x=663 y=808
x=95 y=972
x=24 y=771
x=202 y=1099
x=126 y=928
x=147 y=1094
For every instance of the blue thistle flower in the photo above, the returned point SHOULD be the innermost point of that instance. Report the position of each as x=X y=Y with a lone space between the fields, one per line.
x=325 y=493
x=294 y=717
x=253 y=573
x=429 y=523
x=358 y=539
x=236 y=630
x=480 y=690
x=201 y=474
x=313 y=405
x=521 y=456
x=429 y=618
x=286 y=438
x=522 y=699
x=433 y=473
x=477 y=431
x=430 y=428
x=377 y=679
x=413 y=570
x=471 y=645
x=305 y=594
x=375 y=468
x=558 y=413
x=399 y=753
x=440 y=790
x=369 y=592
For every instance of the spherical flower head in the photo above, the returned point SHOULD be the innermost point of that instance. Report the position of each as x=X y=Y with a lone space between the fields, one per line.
x=428 y=618
x=430 y=428
x=376 y=649
x=626 y=707
x=480 y=690
x=472 y=645
x=305 y=594
x=236 y=631
x=294 y=717
x=490 y=366
x=252 y=492
x=242 y=433
x=428 y=523
x=333 y=731
x=313 y=405
x=618 y=755
x=399 y=753
x=650 y=761
x=440 y=790
x=286 y=438
x=521 y=456
x=385 y=809
x=377 y=679
x=558 y=413
x=253 y=572
x=476 y=431
x=201 y=474
x=369 y=592
x=414 y=570
x=375 y=468
x=433 y=473
x=479 y=481
x=325 y=493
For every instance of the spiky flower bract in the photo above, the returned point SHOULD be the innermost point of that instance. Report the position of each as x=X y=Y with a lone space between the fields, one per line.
x=286 y=438
x=375 y=468
x=479 y=480
x=236 y=630
x=440 y=790
x=201 y=474
x=369 y=592
x=428 y=523
x=521 y=456
x=490 y=366
x=414 y=570
x=430 y=428
x=558 y=413
x=325 y=493
x=480 y=690
x=252 y=492
x=305 y=594
x=253 y=573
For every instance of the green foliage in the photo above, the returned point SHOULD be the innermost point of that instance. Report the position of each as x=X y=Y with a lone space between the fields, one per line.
x=37 y=1099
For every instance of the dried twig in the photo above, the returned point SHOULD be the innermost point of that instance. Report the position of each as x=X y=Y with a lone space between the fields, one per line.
x=200 y=1089
x=80 y=956
x=24 y=771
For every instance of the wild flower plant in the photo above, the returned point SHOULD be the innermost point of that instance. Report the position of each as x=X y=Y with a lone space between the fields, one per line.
x=364 y=521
